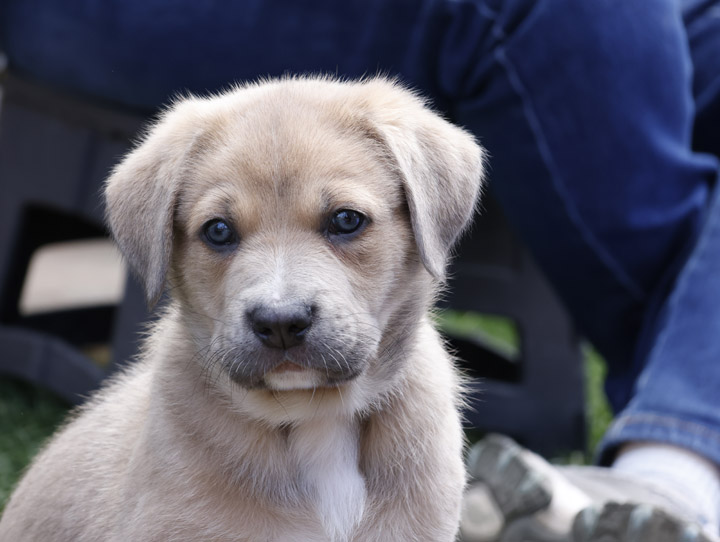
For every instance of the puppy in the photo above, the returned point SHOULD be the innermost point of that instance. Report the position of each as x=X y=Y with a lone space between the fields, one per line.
x=294 y=388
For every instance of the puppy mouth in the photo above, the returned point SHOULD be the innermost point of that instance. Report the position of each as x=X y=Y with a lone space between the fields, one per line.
x=289 y=370
x=291 y=376
x=288 y=367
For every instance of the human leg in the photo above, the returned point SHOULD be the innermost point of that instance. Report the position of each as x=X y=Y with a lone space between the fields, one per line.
x=590 y=139
x=615 y=184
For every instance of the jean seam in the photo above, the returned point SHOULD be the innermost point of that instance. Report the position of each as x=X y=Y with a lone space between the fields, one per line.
x=665 y=421
x=639 y=426
x=610 y=263
x=496 y=29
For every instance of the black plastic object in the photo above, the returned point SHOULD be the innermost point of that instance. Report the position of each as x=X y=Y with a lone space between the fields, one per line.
x=55 y=153
x=538 y=398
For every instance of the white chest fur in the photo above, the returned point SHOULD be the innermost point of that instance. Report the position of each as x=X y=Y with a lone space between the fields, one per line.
x=327 y=453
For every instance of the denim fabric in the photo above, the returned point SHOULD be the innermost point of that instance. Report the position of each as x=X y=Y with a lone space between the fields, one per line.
x=589 y=112
x=143 y=52
x=676 y=397
x=600 y=117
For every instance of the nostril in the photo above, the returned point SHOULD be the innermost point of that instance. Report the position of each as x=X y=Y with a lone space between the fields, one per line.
x=300 y=323
x=262 y=323
x=263 y=331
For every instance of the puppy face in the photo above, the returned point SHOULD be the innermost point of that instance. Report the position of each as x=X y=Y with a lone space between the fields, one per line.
x=303 y=224
x=287 y=251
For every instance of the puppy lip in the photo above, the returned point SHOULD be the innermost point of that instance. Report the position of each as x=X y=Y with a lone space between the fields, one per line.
x=288 y=367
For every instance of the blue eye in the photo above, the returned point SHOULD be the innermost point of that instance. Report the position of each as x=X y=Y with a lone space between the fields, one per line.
x=345 y=222
x=219 y=233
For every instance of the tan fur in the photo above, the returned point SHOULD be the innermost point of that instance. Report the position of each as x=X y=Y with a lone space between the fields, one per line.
x=194 y=441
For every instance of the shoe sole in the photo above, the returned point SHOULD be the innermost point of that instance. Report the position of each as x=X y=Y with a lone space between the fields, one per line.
x=509 y=495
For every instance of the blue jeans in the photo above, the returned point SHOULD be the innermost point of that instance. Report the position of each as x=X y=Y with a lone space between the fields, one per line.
x=601 y=119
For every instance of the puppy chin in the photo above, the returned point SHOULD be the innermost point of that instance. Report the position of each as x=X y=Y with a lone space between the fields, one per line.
x=288 y=376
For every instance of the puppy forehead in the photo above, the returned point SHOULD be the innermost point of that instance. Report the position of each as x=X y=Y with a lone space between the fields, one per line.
x=299 y=164
x=253 y=203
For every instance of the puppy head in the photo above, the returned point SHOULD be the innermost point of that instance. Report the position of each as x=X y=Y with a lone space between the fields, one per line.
x=301 y=224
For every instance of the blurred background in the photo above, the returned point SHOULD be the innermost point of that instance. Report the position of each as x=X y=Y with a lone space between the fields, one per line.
x=70 y=315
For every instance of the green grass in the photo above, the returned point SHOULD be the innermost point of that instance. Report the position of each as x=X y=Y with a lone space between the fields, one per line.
x=28 y=416
x=599 y=414
x=497 y=332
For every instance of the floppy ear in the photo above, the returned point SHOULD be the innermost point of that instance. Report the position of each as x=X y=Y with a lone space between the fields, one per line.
x=442 y=170
x=140 y=197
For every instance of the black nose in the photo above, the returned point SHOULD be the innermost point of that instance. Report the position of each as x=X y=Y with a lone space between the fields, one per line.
x=281 y=326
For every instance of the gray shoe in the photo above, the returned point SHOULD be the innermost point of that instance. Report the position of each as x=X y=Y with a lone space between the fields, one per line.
x=516 y=496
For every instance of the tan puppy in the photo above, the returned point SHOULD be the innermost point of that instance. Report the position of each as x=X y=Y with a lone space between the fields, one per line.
x=294 y=389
